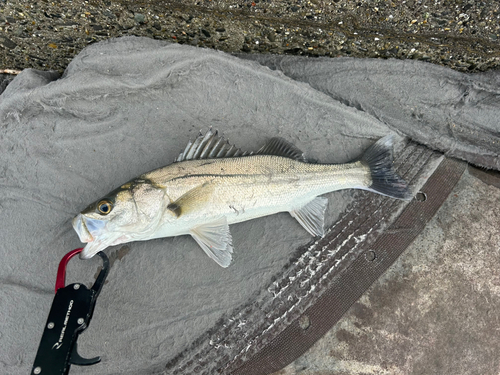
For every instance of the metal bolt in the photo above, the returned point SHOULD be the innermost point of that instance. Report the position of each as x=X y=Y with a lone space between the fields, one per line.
x=76 y=286
x=37 y=370
x=371 y=255
x=50 y=325
x=80 y=321
x=421 y=196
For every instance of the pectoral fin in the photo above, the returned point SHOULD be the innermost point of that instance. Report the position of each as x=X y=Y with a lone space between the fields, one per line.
x=215 y=239
x=312 y=216
x=194 y=199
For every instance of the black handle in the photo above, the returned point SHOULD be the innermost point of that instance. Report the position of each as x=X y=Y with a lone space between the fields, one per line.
x=69 y=316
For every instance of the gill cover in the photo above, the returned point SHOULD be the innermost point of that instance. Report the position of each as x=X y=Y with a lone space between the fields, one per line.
x=131 y=212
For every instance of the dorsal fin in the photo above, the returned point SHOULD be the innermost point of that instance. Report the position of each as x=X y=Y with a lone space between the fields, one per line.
x=279 y=147
x=210 y=146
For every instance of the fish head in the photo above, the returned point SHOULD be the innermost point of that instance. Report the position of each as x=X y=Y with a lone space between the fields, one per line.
x=131 y=212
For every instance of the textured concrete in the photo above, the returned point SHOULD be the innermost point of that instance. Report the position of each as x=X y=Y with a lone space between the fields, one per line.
x=462 y=34
x=436 y=310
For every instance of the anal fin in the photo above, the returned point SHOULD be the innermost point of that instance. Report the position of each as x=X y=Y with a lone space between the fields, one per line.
x=215 y=239
x=312 y=216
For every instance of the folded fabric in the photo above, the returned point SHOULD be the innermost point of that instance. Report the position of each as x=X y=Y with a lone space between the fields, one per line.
x=130 y=105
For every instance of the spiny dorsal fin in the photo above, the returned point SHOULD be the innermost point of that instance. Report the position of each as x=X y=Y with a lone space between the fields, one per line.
x=210 y=146
x=279 y=147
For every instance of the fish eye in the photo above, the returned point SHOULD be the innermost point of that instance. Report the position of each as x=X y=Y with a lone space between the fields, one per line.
x=105 y=207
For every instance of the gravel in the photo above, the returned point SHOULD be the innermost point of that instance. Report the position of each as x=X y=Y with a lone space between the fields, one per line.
x=460 y=34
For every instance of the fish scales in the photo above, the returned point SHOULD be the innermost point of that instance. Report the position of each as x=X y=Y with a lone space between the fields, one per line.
x=261 y=175
x=201 y=197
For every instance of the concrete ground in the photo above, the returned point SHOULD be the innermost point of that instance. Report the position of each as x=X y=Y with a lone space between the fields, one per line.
x=462 y=34
x=436 y=311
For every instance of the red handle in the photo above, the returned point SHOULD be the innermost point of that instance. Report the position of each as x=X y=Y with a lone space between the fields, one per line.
x=61 y=271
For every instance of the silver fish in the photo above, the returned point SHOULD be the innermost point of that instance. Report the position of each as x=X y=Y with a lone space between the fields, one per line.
x=213 y=184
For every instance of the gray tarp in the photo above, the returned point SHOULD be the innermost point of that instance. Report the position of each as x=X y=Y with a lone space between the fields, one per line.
x=130 y=105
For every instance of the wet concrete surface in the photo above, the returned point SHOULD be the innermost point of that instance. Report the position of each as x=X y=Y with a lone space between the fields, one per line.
x=436 y=310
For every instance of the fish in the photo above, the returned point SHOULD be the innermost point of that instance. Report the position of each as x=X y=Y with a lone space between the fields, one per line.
x=213 y=184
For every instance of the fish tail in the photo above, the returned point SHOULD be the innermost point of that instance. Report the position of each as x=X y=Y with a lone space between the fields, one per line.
x=385 y=180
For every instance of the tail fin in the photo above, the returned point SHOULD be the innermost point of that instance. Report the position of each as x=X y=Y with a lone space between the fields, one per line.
x=385 y=180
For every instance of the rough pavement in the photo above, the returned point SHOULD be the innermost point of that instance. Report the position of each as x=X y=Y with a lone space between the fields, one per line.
x=436 y=310
x=460 y=34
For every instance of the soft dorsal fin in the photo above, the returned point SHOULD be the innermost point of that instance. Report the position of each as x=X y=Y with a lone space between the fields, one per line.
x=210 y=146
x=279 y=147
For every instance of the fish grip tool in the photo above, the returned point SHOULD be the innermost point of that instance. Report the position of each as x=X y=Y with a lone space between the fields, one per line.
x=69 y=316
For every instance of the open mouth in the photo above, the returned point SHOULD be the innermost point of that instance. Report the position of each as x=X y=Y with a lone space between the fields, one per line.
x=94 y=232
x=81 y=229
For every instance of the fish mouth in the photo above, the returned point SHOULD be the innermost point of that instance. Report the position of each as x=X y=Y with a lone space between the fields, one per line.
x=94 y=233
x=80 y=227
x=90 y=231
x=91 y=249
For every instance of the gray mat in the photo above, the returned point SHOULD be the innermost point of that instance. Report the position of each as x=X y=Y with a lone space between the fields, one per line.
x=5 y=79
x=130 y=105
